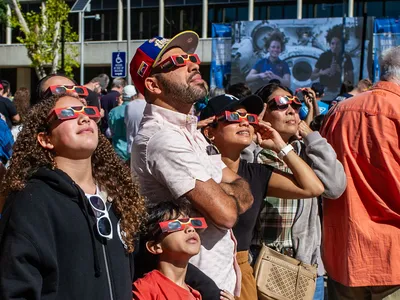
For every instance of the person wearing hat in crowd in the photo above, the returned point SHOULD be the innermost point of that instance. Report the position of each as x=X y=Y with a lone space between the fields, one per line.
x=116 y=122
x=170 y=159
x=235 y=125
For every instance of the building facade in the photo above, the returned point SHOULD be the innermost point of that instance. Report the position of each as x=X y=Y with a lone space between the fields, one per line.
x=109 y=33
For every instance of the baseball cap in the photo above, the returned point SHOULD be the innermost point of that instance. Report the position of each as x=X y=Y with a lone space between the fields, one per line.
x=128 y=92
x=221 y=103
x=150 y=52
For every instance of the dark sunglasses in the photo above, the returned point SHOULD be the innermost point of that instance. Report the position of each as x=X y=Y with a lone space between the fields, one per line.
x=180 y=224
x=66 y=89
x=283 y=102
x=176 y=61
x=104 y=226
x=237 y=117
x=73 y=112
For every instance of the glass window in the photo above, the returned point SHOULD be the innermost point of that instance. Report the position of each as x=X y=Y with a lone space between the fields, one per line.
x=324 y=10
x=230 y=14
x=260 y=12
x=375 y=8
x=243 y=13
x=290 y=11
x=392 y=9
x=151 y=3
x=110 y=4
x=275 y=12
x=174 y=2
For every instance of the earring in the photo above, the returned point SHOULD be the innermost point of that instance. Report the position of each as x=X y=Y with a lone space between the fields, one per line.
x=211 y=148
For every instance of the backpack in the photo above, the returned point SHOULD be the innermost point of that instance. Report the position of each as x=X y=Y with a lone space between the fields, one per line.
x=6 y=142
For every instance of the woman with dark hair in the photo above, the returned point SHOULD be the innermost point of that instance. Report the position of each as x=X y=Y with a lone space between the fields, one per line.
x=236 y=122
x=333 y=62
x=272 y=67
x=294 y=225
x=71 y=210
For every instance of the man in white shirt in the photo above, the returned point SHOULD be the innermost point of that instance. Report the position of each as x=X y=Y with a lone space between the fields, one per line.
x=169 y=153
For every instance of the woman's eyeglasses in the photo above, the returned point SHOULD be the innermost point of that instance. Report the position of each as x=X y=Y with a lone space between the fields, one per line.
x=237 y=117
x=283 y=102
x=180 y=224
x=104 y=226
x=66 y=89
x=73 y=112
x=176 y=61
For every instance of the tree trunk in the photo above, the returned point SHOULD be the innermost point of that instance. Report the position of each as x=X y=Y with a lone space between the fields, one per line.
x=20 y=17
x=56 y=47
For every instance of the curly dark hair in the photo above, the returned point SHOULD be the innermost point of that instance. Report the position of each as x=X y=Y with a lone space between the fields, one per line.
x=109 y=171
x=337 y=32
x=267 y=90
x=22 y=98
x=276 y=36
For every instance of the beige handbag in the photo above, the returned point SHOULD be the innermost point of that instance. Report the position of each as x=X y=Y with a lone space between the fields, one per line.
x=281 y=277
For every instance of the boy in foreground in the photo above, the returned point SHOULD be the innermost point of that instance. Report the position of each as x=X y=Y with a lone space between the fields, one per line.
x=173 y=237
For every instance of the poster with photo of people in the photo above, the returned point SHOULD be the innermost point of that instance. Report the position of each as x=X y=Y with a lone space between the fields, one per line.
x=298 y=52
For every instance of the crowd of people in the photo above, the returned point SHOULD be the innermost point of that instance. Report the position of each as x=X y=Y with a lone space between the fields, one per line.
x=165 y=190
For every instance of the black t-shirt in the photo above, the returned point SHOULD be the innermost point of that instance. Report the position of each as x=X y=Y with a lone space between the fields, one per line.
x=258 y=176
x=7 y=109
x=325 y=61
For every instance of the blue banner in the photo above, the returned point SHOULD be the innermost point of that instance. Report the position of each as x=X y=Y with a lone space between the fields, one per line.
x=386 y=35
x=221 y=55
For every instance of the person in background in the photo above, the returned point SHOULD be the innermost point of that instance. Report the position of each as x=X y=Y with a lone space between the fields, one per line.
x=236 y=122
x=110 y=100
x=6 y=90
x=71 y=210
x=348 y=90
x=293 y=226
x=7 y=109
x=133 y=117
x=328 y=68
x=116 y=122
x=216 y=92
x=271 y=67
x=239 y=90
x=312 y=105
x=172 y=238
x=95 y=86
x=362 y=227
x=22 y=101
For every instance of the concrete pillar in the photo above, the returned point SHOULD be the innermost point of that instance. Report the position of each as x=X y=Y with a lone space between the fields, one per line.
x=161 y=17
x=120 y=20
x=351 y=9
x=251 y=10
x=299 y=9
x=205 y=19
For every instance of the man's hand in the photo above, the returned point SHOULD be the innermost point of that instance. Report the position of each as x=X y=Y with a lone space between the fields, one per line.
x=205 y=122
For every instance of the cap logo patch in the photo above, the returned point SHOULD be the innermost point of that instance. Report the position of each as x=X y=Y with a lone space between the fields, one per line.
x=159 y=43
x=232 y=97
x=142 y=69
x=190 y=40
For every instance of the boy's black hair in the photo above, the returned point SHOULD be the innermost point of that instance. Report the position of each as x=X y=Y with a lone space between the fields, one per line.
x=166 y=210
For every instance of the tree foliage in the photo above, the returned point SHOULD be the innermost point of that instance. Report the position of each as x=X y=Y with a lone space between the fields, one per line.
x=3 y=12
x=41 y=35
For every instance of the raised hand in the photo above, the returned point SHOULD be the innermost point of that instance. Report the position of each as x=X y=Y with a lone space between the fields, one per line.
x=268 y=137
x=304 y=129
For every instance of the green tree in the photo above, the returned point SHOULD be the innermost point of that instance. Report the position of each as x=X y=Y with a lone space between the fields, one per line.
x=41 y=35
x=3 y=12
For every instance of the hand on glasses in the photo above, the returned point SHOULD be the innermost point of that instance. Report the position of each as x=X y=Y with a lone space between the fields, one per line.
x=268 y=137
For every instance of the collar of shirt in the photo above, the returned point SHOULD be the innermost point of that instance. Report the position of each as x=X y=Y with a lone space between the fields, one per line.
x=388 y=86
x=187 y=121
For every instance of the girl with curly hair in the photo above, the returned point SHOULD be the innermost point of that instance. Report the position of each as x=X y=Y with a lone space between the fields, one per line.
x=272 y=67
x=71 y=209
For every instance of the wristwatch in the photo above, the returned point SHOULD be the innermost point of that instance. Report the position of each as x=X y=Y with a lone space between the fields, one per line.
x=284 y=151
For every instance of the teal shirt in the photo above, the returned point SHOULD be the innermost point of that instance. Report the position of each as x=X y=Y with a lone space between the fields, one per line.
x=118 y=130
